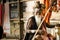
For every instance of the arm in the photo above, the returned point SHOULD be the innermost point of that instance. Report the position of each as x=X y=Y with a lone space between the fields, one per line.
x=29 y=25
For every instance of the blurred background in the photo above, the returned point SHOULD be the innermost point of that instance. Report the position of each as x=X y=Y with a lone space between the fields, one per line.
x=15 y=13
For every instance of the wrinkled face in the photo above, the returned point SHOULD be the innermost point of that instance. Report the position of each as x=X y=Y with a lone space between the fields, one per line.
x=37 y=11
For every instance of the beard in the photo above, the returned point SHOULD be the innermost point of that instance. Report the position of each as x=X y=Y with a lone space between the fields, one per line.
x=38 y=20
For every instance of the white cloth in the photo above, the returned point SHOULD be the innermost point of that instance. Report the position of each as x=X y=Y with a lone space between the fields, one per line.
x=55 y=15
x=51 y=31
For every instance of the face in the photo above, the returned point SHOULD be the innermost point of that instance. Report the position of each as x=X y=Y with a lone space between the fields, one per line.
x=37 y=11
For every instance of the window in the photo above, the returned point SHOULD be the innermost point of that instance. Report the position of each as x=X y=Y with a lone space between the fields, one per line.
x=13 y=11
x=13 y=6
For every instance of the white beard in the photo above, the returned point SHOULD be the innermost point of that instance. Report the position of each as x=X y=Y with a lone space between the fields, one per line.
x=38 y=20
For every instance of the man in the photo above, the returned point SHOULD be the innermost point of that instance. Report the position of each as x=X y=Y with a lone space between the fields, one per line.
x=34 y=22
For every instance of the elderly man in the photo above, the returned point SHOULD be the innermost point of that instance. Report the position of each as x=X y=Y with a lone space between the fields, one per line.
x=34 y=22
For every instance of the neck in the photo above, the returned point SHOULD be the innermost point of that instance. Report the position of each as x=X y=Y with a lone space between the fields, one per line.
x=38 y=16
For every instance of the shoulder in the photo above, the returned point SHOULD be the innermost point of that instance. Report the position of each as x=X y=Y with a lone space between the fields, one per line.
x=31 y=19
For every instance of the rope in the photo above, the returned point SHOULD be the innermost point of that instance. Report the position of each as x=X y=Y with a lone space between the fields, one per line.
x=40 y=24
